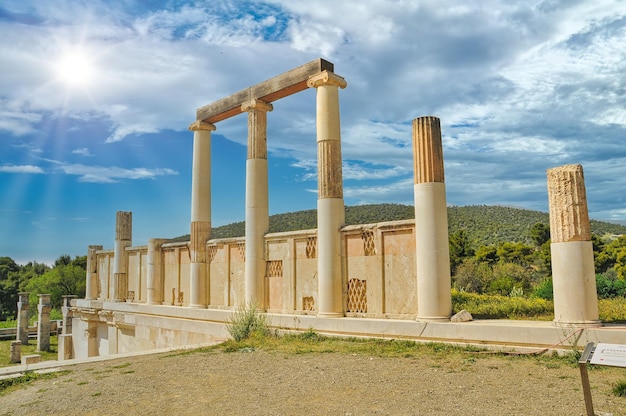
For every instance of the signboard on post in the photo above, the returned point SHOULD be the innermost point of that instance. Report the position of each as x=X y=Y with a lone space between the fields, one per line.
x=609 y=354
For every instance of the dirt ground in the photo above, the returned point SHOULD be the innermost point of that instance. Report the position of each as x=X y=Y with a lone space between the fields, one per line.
x=270 y=383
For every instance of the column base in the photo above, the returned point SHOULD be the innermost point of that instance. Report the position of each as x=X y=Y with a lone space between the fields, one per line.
x=330 y=315
x=433 y=318
x=198 y=306
x=580 y=324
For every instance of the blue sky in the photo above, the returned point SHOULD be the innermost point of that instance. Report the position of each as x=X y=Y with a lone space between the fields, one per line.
x=96 y=97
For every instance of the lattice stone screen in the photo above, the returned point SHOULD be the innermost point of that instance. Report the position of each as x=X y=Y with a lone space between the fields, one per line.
x=368 y=242
x=357 y=296
x=311 y=247
x=274 y=268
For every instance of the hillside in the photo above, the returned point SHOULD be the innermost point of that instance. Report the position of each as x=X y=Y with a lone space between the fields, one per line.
x=484 y=224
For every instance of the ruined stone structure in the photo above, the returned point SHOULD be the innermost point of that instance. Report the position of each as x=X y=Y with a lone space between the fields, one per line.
x=22 y=318
x=573 y=272
x=43 y=324
x=388 y=280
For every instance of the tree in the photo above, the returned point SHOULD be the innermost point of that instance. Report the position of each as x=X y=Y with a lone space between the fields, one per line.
x=9 y=284
x=540 y=233
x=64 y=279
x=460 y=248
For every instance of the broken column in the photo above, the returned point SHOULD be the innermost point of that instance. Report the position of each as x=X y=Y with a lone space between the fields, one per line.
x=65 y=351
x=257 y=205
x=22 y=318
x=432 y=253
x=91 y=289
x=154 y=281
x=200 y=213
x=573 y=271
x=16 y=352
x=123 y=239
x=43 y=323
x=330 y=204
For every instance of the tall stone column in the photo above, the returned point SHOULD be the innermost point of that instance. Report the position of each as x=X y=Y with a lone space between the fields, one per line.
x=154 y=283
x=65 y=350
x=432 y=253
x=257 y=205
x=123 y=239
x=200 y=213
x=43 y=324
x=22 y=318
x=92 y=290
x=573 y=271
x=330 y=204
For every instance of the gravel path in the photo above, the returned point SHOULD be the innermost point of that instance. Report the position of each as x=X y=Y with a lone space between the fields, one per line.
x=270 y=383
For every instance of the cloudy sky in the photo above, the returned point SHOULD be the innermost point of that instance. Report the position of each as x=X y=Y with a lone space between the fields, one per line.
x=96 y=97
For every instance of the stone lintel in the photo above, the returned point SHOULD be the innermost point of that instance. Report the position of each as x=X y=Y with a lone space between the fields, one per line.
x=273 y=89
x=256 y=105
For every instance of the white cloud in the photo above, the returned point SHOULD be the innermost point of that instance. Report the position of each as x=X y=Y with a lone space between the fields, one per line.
x=83 y=152
x=21 y=169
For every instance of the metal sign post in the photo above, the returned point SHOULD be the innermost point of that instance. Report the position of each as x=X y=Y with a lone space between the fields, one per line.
x=602 y=354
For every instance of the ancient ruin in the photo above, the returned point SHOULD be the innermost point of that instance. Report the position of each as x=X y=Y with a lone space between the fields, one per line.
x=388 y=279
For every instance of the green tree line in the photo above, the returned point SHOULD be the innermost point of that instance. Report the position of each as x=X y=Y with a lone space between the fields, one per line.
x=66 y=277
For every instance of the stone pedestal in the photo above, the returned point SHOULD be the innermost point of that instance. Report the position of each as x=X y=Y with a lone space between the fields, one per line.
x=432 y=253
x=16 y=352
x=22 y=318
x=573 y=273
x=43 y=325
x=330 y=203
x=123 y=239
x=200 y=213
x=92 y=291
x=65 y=347
x=257 y=204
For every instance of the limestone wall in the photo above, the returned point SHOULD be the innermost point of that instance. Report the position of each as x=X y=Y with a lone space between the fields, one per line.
x=378 y=272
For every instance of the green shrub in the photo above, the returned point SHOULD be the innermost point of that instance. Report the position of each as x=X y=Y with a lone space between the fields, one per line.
x=619 y=389
x=501 y=307
x=545 y=290
x=248 y=322
x=609 y=286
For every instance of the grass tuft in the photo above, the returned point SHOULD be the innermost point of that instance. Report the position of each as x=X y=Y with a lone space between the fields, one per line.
x=619 y=389
x=247 y=322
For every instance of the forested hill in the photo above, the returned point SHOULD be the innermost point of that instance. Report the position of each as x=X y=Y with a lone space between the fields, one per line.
x=484 y=224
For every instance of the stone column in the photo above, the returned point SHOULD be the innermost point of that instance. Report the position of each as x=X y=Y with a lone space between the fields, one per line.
x=257 y=205
x=43 y=325
x=200 y=213
x=65 y=351
x=16 y=352
x=68 y=314
x=22 y=318
x=573 y=272
x=123 y=239
x=432 y=253
x=330 y=204
x=154 y=284
x=92 y=290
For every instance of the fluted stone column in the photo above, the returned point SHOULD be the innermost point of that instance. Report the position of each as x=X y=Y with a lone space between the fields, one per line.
x=154 y=283
x=257 y=205
x=43 y=324
x=330 y=204
x=200 y=213
x=432 y=253
x=123 y=239
x=22 y=318
x=92 y=290
x=573 y=271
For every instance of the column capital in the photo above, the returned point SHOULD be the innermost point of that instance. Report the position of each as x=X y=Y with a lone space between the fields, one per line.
x=256 y=105
x=201 y=125
x=326 y=78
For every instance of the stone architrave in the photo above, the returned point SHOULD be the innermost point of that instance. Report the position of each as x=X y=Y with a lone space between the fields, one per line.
x=432 y=253
x=154 y=283
x=22 y=318
x=200 y=213
x=43 y=324
x=257 y=204
x=573 y=270
x=330 y=203
x=92 y=291
x=123 y=239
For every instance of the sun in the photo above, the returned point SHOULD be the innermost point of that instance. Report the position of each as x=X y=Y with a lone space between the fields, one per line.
x=75 y=69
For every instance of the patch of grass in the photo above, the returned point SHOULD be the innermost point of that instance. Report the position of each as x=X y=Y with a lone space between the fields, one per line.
x=619 y=388
x=9 y=384
x=31 y=348
x=122 y=365
x=82 y=383
x=502 y=307
x=96 y=394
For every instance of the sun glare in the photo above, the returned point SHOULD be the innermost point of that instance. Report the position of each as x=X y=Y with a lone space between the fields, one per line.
x=75 y=69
